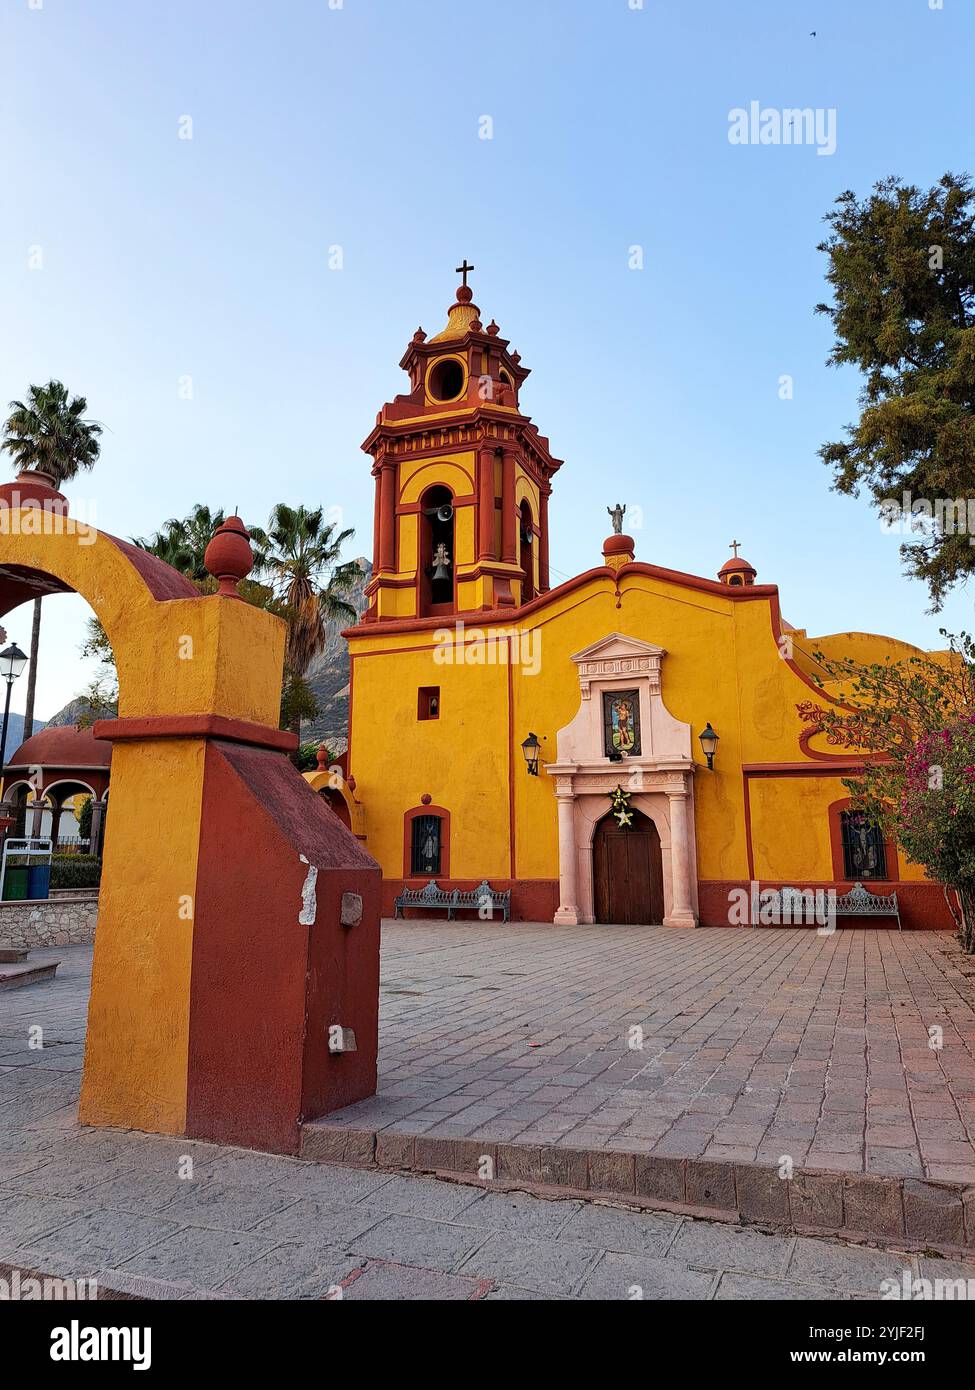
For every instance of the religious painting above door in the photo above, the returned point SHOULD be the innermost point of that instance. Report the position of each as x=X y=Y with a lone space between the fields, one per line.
x=621 y=723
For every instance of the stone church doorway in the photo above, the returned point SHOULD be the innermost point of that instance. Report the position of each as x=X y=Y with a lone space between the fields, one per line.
x=628 y=877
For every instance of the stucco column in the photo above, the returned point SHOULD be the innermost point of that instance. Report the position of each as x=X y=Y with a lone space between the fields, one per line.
x=681 y=912
x=377 y=520
x=509 y=530
x=97 y=811
x=387 y=528
x=567 y=914
x=485 y=505
x=543 y=582
x=57 y=806
x=38 y=807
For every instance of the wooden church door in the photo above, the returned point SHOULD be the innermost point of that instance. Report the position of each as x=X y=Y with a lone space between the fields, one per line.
x=628 y=880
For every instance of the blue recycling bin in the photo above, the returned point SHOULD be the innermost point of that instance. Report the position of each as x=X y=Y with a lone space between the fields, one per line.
x=39 y=881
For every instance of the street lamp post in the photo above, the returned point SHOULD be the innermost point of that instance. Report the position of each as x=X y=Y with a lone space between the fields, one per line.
x=12 y=663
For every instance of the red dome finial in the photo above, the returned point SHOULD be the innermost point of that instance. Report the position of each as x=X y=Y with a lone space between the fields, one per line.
x=228 y=557
x=322 y=757
x=737 y=571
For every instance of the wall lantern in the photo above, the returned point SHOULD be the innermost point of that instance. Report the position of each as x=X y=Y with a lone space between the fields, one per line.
x=530 y=749
x=709 y=742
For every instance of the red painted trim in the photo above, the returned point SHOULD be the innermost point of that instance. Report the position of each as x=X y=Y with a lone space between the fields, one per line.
x=162 y=581
x=832 y=769
x=494 y=569
x=821 y=757
x=922 y=904
x=532 y=899
x=503 y=615
x=348 y=748
x=196 y=726
x=836 y=846
x=512 y=853
x=485 y=504
x=409 y=817
x=749 y=849
x=385 y=581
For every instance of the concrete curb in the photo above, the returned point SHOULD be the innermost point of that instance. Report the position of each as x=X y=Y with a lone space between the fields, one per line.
x=112 y=1285
x=909 y=1213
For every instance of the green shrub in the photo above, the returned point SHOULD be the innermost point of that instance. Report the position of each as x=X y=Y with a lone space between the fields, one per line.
x=306 y=757
x=75 y=871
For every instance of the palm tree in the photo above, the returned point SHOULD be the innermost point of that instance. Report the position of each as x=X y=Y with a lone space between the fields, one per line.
x=300 y=557
x=51 y=434
x=182 y=542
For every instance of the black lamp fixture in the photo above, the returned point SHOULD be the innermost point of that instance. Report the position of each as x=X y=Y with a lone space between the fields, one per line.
x=530 y=748
x=12 y=663
x=709 y=743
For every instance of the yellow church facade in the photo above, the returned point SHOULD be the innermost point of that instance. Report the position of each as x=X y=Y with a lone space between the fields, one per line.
x=549 y=740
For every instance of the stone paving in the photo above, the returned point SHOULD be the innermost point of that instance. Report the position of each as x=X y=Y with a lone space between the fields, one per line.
x=752 y=1044
x=257 y=1226
x=463 y=1015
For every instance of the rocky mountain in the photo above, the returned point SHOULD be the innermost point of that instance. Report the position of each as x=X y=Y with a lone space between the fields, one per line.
x=328 y=674
x=70 y=713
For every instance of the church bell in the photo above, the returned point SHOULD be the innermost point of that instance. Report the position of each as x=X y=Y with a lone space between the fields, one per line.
x=441 y=562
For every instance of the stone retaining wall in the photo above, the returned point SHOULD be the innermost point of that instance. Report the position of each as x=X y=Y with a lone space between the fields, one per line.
x=49 y=921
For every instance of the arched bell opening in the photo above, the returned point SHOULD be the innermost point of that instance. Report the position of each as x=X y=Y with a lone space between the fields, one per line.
x=436 y=565
x=526 y=543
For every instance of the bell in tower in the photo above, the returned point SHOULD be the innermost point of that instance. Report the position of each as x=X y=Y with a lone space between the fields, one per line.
x=462 y=477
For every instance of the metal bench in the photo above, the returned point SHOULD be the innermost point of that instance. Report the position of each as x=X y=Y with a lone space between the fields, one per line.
x=793 y=906
x=484 y=896
x=860 y=902
x=432 y=898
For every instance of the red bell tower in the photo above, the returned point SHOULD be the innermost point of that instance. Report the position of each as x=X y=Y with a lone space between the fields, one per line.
x=463 y=478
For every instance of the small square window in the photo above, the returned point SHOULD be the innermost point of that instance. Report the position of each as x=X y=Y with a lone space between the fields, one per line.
x=428 y=702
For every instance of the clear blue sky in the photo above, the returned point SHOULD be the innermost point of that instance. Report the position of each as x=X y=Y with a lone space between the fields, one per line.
x=358 y=126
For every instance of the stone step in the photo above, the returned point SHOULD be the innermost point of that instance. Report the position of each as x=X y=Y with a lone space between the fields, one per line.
x=26 y=973
x=11 y=955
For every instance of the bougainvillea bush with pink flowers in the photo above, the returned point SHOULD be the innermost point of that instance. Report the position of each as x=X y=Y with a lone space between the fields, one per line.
x=914 y=721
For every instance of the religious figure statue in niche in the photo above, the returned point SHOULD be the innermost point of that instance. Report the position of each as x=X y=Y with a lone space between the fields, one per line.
x=621 y=723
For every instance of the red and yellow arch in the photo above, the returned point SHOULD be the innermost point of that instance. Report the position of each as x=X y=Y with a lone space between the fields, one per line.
x=221 y=957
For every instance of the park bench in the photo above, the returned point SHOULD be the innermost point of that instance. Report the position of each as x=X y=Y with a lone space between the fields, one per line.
x=433 y=898
x=860 y=902
x=794 y=903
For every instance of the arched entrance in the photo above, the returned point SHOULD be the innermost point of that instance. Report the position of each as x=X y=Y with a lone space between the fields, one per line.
x=627 y=869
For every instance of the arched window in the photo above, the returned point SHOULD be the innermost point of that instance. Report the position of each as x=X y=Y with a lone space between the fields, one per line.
x=426 y=842
x=860 y=851
x=864 y=853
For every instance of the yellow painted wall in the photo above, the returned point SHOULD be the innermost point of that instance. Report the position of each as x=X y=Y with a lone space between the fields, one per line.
x=179 y=657
x=723 y=664
x=141 y=971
